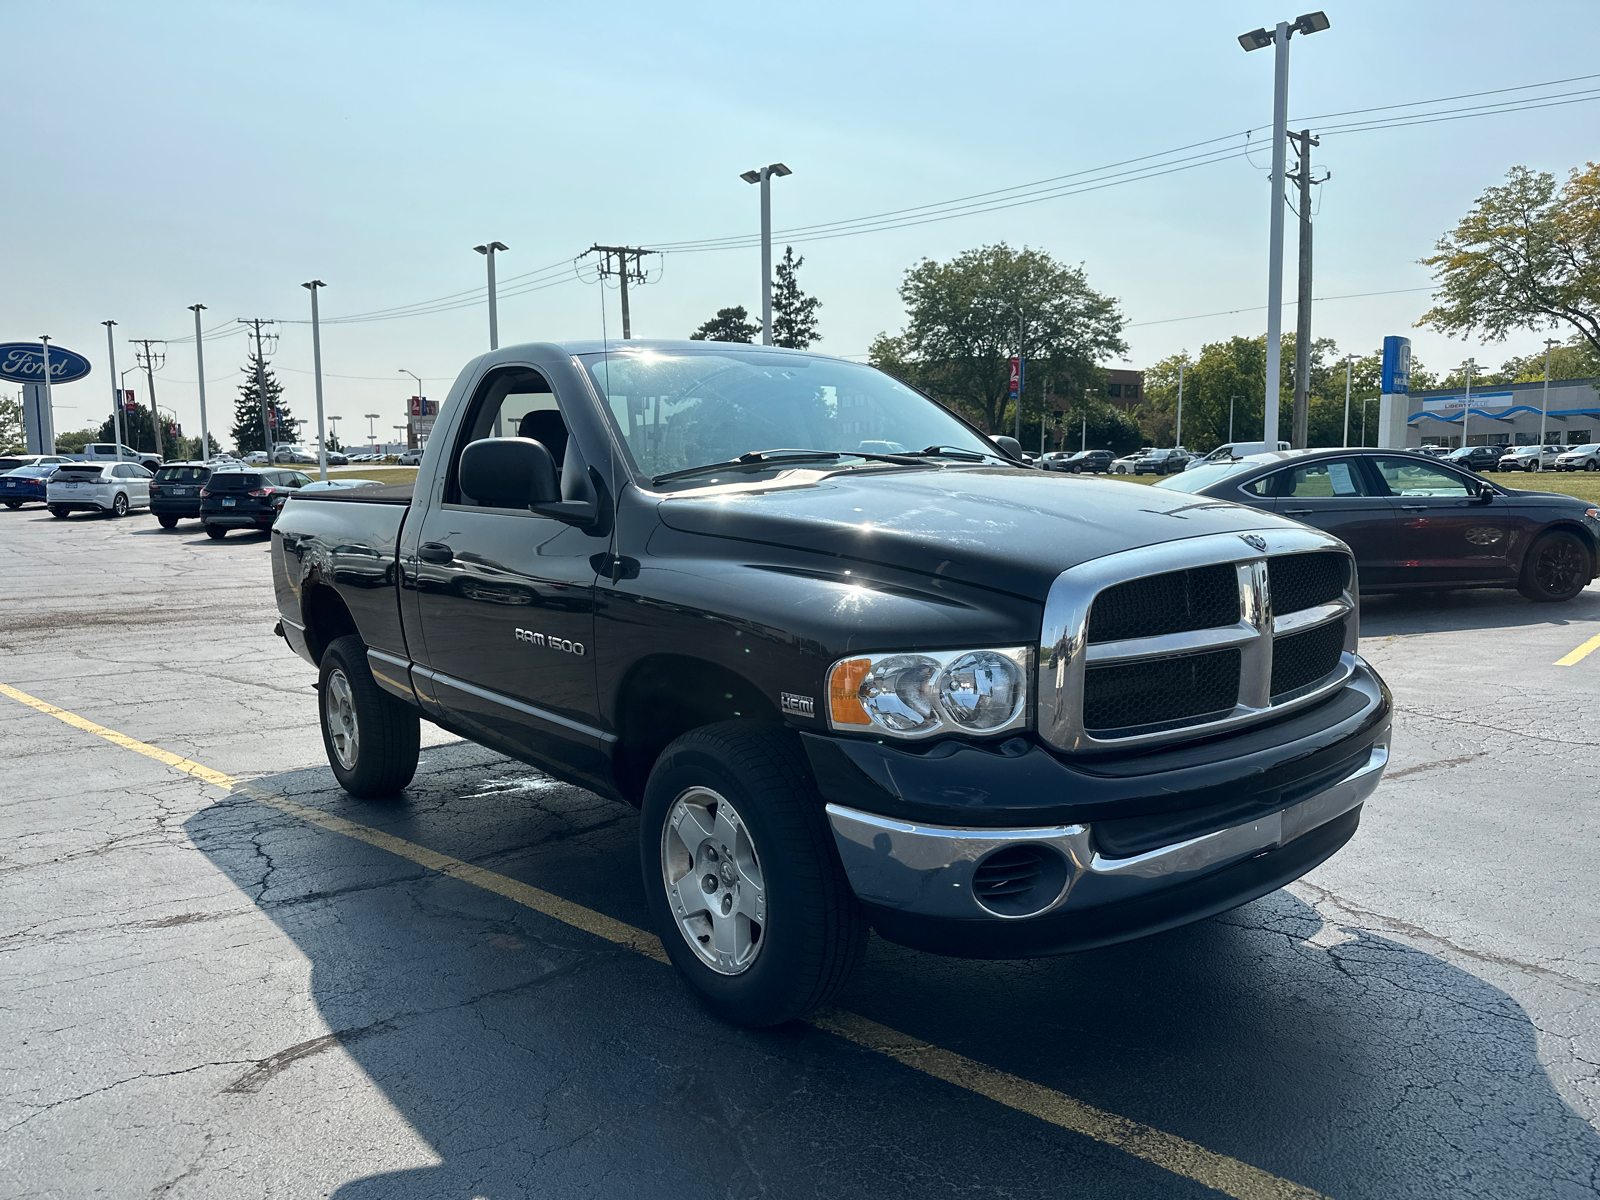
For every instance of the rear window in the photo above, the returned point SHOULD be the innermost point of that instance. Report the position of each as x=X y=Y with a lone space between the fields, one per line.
x=234 y=481
x=183 y=474
x=81 y=470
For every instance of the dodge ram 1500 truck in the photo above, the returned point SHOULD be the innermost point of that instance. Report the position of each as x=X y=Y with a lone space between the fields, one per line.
x=856 y=664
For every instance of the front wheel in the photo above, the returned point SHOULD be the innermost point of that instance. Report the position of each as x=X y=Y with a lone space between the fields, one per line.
x=742 y=876
x=372 y=738
x=1591 y=465
x=1556 y=569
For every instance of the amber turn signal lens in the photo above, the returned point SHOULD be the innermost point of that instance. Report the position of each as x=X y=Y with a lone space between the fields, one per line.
x=843 y=684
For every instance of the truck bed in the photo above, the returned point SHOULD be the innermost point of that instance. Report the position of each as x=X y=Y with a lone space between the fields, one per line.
x=389 y=493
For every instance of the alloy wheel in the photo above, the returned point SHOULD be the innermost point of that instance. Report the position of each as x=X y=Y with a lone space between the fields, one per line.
x=119 y=506
x=714 y=882
x=338 y=706
x=1558 y=568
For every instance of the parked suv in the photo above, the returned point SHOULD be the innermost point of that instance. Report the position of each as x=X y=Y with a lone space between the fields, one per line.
x=1162 y=462
x=1580 y=458
x=246 y=499
x=175 y=491
x=113 y=488
x=1095 y=462
x=1477 y=458
x=1530 y=458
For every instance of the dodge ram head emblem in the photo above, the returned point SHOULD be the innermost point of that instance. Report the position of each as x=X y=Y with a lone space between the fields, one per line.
x=1255 y=540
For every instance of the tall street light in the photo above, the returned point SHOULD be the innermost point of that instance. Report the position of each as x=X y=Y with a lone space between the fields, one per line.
x=1544 y=405
x=372 y=430
x=316 y=365
x=494 y=312
x=1470 y=367
x=1278 y=38
x=200 y=364
x=1349 y=360
x=763 y=176
x=116 y=392
x=49 y=404
x=418 y=378
x=334 y=421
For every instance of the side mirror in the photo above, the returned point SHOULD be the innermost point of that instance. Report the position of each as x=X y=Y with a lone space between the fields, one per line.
x=1486 y=492
x=1010 y=447
x=518 y=473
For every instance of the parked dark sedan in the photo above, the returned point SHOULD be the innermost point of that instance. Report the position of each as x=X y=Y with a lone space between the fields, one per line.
x=25 y=485
x=175 y=491
x=1418 y=522
x=246 y=499
x=1477 y=458
x=1093 y=462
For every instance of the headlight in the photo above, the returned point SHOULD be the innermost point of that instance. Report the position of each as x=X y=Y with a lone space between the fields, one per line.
x=921 y=695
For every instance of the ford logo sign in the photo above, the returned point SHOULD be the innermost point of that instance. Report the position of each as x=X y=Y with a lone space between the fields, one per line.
x=23 y=362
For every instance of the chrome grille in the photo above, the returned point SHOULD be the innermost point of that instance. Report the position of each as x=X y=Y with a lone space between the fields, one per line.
x=1199 y=635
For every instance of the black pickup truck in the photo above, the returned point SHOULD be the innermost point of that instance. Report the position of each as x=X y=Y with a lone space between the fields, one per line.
x=913 y=686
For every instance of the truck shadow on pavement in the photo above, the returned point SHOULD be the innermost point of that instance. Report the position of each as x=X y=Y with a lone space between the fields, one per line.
x=538 y=1060
x=1389 y=613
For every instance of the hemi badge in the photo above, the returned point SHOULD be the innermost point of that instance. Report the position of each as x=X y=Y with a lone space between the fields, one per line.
x=797 y=706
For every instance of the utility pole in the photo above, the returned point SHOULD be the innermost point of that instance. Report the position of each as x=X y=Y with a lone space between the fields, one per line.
x=487 y=250
x=200 y=366
x=1544 y=405
x=1302 y=335
x=255 y=324
x=116 y=392
x=1231 y=399
x=146 y=358
x=626 y=262
x=1022 y=379
x=316 y=363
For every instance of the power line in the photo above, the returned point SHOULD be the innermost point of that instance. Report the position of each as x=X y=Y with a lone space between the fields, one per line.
x=1229 y=312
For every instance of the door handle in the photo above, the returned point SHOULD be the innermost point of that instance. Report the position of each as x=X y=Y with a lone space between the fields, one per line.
x=1297 y=512
x=435 y=552
x=1414 y=508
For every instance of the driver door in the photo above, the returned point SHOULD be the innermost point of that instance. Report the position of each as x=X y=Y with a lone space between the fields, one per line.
x=1447 y=535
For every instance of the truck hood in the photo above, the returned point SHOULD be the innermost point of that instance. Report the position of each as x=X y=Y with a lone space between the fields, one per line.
x=1012 y=530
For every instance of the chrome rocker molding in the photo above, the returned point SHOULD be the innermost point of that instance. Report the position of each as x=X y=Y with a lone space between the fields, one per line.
x=928 y=869
x=1064 y=652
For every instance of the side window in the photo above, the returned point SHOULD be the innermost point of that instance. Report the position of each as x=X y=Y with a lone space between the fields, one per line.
x=511 y=402
x=1315 y=481
x=141 y=472
x=1409 y=477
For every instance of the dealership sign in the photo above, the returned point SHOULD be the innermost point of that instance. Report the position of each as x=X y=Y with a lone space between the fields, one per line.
x=23 y=362
x=1396 y=366
x=1446 y=405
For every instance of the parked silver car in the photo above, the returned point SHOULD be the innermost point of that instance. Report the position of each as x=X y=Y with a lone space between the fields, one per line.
x=1580 y=458
x=1530 y=458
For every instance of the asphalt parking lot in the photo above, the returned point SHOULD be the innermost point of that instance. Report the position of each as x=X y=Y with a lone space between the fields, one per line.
x=224 y=978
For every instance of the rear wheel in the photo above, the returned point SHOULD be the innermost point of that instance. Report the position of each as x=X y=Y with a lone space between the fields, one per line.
x=168 y=522
x=371 y=737
x=743 y=879
x=216 y=532
x=1557 y=568
x=119 y=505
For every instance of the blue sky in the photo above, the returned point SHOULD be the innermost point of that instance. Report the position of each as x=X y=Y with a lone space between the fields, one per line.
x=165 y=154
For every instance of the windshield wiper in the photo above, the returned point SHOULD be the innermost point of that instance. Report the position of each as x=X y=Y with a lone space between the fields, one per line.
x=761 y=458
x=958 y=452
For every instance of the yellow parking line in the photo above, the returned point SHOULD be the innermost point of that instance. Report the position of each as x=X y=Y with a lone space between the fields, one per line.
x=1167 y=1151
x=1582 y=652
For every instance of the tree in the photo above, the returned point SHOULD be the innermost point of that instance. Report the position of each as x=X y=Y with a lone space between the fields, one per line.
x=11 y=432
x=247 y=434
x=73 y=443
x=138 y=431
x=729 y=325
x=794 y=314
x=1527 y=256
x=1577 y=359
x=962 y=327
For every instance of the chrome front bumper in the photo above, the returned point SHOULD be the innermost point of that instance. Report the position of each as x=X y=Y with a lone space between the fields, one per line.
x=927 y=870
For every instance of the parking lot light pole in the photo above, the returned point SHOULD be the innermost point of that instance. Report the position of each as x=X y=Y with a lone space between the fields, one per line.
x=116 y=392
x=200 y=366
x=316 y=366
x=334 y=421
x=1177 y=437
x=763 y=176
x=49 y=404
x=487 y=251
x=1349 y=360
x=1544 y=405
x=1278 y=38
x=1470 y=366
x=372 y=430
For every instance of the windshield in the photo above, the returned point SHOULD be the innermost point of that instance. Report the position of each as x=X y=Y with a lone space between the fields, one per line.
x=686 y=408
x=1205 y=475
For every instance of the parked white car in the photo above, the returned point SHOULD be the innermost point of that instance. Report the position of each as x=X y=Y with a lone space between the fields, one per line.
x=1580 y=458
x=412 y=458
x=114 y=488
x=1531 y=458
x=256 y=457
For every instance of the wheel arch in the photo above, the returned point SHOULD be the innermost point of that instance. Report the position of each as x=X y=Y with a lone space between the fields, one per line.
x=664 y=696
x=1583 y=535
x=325 y=616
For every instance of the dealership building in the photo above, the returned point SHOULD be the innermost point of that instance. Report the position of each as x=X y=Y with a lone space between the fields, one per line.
x=1506 y=414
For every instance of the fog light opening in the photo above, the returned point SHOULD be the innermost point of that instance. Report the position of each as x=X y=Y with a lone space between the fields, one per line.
x=1019 y=880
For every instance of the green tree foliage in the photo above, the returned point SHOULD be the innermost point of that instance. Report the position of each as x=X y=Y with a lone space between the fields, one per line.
x=962 y=328
x=247 y=435
x=11 y=431
x=74 y=442
x=1577 y=359
x=1527 y=256
x=1236 y=370
x=794 y=314
x=729 y=325
x=1109 y=427
x=138 y=431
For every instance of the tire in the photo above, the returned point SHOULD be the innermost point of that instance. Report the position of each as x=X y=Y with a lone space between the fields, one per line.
x=811 y=934
x=1591 y=465
x=1528 y=469
x=216 y=532
x=1556 y=568
x=13 y=503
x=168 y=522
x=119 y=505
x=371 y=737
x=59 y=512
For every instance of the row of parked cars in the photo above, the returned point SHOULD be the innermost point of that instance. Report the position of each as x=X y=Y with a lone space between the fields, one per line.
x=222 y=495
x=1551 y=457
x=1147 y=461
x=304 y=455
